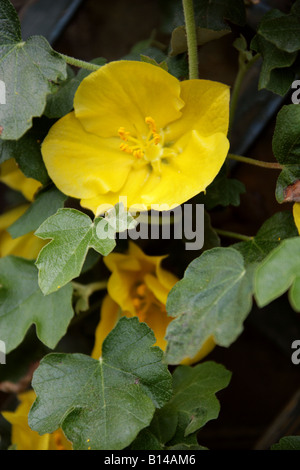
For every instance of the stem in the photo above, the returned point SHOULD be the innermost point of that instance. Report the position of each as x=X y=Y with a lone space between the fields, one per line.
x=238 y=236
x=190 y=28
x=243 y=69
x=80 y=63
x=89 y=289
x=251 y=161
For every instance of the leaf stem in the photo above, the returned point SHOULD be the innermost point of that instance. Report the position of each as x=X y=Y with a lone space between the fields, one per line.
x=243 y=69
x=252 y=161
x=190 y=28
x=80 y=63
x=238 y=236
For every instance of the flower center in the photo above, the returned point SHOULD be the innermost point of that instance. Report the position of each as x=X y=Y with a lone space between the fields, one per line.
x=143 y=300
x=148 y=149
x=58 y=440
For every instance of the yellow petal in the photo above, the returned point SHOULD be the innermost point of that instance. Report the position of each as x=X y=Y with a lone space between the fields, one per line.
x=206 y=109
x=158 y=289
x=123 y=94
x=296 y=212
x=198 y=161
x=83 y=165
x=11 y=175
x=207 y=347
x=22 y=436
x=109 y=317
x=186 y=175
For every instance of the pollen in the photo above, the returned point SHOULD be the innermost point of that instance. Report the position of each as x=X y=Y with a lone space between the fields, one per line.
x=144 y=147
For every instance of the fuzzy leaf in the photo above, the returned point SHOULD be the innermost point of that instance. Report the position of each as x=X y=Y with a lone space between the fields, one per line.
x=28 y=69
x=22 y=304
x=102 y=404
x=213 y=299
x=279 y=272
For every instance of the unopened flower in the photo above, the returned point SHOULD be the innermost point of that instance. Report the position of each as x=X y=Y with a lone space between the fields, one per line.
x=296 y=212
x=138 y=132
x=12 y=176
x=139 y=286
x=24 y=438
x=27 y=246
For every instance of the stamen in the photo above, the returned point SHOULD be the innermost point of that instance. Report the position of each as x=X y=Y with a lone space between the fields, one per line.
x=152 y=126
x=123 y=134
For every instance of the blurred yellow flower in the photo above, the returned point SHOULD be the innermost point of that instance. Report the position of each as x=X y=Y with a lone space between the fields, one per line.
x=139 y=286
x=28 y=246
x=296 y=212
x=138 y=132
x=23 y=437
x=11 y=175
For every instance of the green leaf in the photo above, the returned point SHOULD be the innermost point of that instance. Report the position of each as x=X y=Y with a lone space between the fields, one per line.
x=286 y=139
x=72 y=233
x=277 y=228
x=193 y=401
x=102 y=404
x=223 y=191
x=27 y=153
x=287 y=178
x=276 y=72
x=22 y=304
x=279 y=272
x=286 y=148
x=204 y=35
x=214 y=14
x=282 y=29
x=47 y=202
x=213 y=299
x=287 y=443
x=28 y=69
x=149 y=60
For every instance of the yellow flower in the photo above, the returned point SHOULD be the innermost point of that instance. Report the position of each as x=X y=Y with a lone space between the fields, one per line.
x=23 y=437
x=28 y=246
x=138 y=132
x=11 y=175
x=139 y=286
x=296 y=212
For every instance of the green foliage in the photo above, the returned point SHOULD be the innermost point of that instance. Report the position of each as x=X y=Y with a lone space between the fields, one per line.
x=72 y=234
x=287 y=443
x=28 y=69
x=213 y=298
x=223 y=191
x=47 y=202
x=60 y=101
x=22 y=304
x=277 y=40
x=286 y=147
x=279 y=272
x=192 y=405
x=115 y=397
x=279 y=227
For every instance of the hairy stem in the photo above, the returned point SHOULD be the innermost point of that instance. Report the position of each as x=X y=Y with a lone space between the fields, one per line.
x=238 y=236
x=252 y=161
x=190 y=28
x=80 y=63
x=243 y=69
